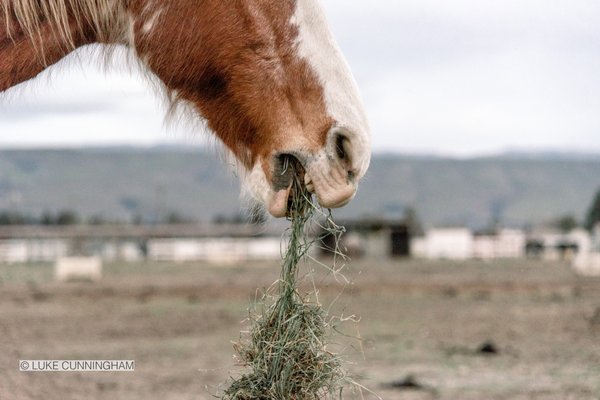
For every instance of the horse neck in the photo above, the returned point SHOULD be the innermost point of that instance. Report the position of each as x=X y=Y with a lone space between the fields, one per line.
x=33 y=41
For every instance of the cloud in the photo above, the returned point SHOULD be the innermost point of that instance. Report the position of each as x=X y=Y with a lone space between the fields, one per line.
x=467 y=77
x=83 y=104
x=34 y=111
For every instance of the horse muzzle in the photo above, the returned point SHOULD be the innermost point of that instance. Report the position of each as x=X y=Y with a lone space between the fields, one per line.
x=331 y=174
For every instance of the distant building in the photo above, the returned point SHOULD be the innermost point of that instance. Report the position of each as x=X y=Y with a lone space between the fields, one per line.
x=194 y=242
x=506 y=243
x=446 y=243
x=21 y=250
x=371 y=238
x=553 y=245
x=215 y=250
x=462 y=244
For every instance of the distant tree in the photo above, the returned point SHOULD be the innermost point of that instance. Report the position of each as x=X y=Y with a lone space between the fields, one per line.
x=565 y=223
x=237 y=218
x=137 y=219
x=97 y=220
x=254 y=216
x=47 y=218
x=5 y=218
x=67 y=217
x=593 y=214
x=12 y=218
x=176 y=218
x=219 y=219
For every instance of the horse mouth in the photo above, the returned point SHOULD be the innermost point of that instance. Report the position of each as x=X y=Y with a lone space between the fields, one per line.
x=290 y=181
x=292 y=174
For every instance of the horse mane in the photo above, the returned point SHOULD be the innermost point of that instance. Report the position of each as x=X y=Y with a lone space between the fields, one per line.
x=106 y=20
x=101 y=16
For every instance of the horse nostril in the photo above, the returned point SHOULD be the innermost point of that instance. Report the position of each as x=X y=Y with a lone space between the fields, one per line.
x=340 y=149
x=341 y=144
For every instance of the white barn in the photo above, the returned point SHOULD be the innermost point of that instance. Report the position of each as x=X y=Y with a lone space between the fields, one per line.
x=215 y=250
x=221 y=243
x=448 y=243
x=14 y=251
x=506 y=243
x=556 y=246
x=462 y=244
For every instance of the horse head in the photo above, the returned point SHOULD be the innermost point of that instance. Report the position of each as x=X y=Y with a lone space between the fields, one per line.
x=266 y=75
x=271 y=82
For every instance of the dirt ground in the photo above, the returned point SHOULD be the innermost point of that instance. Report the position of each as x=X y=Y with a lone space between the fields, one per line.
x=421 y=330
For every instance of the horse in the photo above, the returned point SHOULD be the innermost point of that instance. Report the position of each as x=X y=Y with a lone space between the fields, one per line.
x=265 y=76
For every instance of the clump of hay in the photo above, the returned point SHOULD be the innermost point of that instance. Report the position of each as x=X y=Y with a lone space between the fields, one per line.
x=286 y=350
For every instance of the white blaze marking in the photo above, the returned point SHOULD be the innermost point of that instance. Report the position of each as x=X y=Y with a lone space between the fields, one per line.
x=315 y=44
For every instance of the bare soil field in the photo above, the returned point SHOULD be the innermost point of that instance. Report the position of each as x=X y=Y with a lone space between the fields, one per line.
x=427 y=330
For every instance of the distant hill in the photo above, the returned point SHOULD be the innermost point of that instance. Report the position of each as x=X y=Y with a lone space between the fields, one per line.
x=122 y=183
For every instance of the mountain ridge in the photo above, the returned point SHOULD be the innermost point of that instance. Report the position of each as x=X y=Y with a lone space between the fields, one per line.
x=127 y=182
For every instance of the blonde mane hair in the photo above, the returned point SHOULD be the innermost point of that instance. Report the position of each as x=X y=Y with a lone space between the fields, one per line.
x=104 y=17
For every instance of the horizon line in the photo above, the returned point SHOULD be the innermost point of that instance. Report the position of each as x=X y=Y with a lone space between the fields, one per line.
x=507 y=152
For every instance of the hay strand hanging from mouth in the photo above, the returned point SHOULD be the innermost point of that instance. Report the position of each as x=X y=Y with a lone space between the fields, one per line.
x=286 y=350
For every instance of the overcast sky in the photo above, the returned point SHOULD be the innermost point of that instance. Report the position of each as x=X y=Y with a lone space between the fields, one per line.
x=465 y=77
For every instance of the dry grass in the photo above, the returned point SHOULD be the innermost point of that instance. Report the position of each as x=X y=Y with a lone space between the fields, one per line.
x=286 y=349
